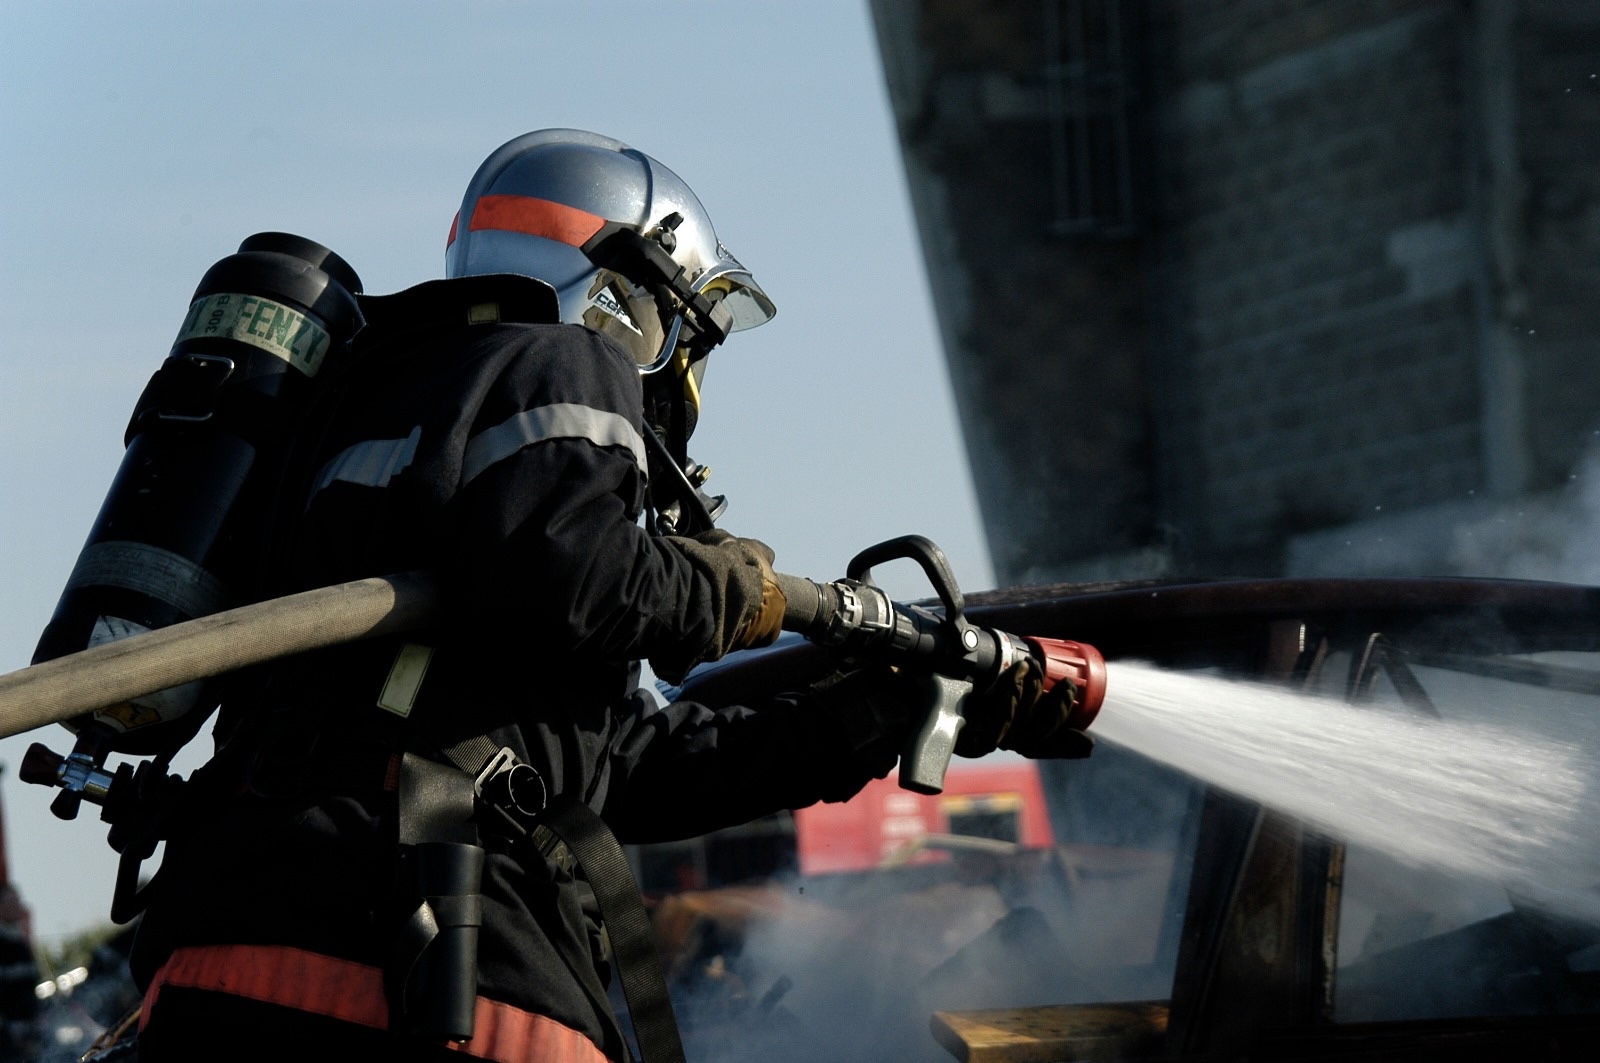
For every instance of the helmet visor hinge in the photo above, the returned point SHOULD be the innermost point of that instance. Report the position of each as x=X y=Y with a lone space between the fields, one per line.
x=665 y=234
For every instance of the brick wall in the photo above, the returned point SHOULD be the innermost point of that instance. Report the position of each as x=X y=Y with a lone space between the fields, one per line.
x=1366 y=283
x=1044 y=336
x=1555 y=305
x=1324 y=231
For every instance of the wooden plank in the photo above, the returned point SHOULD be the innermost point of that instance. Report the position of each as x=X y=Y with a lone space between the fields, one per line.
x=1057 y=1033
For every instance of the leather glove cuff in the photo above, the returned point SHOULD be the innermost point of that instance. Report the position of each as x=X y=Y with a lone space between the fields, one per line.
x=871 y=709
x=747 y=605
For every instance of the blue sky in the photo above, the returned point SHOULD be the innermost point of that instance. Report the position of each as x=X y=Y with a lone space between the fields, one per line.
x=141 y=142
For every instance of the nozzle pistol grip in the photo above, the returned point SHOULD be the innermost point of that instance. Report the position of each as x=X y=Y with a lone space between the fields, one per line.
x=927 y=755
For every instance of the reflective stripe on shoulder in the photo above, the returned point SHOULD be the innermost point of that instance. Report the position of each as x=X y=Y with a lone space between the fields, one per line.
x=561 y=420
x=372 y=463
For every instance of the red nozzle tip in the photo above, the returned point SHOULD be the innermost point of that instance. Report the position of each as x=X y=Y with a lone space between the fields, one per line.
x=1081 y=665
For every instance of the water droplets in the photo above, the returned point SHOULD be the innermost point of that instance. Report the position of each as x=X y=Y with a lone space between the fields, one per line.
x=1488 y=802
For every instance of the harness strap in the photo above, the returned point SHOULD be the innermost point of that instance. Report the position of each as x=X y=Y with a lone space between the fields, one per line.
x=574 y=824
x=353 y=992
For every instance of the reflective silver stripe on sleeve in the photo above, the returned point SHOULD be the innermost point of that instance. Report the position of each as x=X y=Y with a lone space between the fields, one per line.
x=370 y=464
x=561 y=420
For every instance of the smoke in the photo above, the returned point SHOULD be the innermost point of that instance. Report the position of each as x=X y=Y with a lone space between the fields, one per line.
x=1550 y=536
x=1556 y=537
x=851 y=967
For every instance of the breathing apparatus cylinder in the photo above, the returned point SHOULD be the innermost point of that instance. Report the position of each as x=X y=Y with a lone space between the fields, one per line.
x=184 y=527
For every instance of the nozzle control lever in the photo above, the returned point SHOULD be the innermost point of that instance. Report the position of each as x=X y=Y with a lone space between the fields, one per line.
x=927 y=754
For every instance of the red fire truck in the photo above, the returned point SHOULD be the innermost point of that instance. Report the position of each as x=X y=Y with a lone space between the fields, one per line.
x=995 y=803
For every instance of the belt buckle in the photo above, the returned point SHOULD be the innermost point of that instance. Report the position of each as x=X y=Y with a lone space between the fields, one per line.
x=512 y=787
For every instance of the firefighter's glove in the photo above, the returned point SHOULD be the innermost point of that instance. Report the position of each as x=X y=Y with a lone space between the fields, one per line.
x=871 y=709
x=746 y=603
x=1016 y=713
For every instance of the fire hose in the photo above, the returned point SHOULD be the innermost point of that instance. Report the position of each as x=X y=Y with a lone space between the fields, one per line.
x=57 y=690
x=852 y=615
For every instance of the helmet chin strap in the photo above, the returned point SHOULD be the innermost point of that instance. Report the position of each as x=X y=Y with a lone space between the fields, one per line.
x=681 y=505
x=671 y=408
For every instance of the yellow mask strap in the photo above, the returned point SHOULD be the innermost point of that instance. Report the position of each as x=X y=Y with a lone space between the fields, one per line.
x=691 y=386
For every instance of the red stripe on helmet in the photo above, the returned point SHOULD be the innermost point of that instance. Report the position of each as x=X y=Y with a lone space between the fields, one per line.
x=453 y=223
x=536 y=217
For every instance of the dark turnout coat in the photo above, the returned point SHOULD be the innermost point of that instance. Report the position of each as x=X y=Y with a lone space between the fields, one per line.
x=507 y=457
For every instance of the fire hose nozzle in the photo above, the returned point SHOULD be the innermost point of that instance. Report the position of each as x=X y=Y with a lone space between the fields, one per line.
x=1081 y=665
x=853 y=615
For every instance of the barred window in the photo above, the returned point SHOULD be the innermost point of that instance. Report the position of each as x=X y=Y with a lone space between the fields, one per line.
x=1088 y=77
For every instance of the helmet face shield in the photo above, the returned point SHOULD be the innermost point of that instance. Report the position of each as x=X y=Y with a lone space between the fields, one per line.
x=742 y=295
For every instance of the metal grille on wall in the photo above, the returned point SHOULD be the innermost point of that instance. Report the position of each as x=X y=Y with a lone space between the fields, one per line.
x=1087 y=79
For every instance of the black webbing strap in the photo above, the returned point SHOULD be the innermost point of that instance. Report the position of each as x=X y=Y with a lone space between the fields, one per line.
x=471 y=754
x=574 y=824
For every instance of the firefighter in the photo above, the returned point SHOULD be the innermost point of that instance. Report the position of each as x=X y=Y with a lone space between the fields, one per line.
x=509 y=427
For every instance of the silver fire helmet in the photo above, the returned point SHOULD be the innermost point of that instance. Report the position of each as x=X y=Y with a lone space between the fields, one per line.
x=540 y=200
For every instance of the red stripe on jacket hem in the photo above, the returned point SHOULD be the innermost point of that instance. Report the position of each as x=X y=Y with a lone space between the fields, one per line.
x=353 y=992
